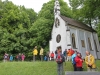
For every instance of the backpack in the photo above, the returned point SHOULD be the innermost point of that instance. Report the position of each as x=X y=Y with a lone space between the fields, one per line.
x=74 y=62
x=60 y=59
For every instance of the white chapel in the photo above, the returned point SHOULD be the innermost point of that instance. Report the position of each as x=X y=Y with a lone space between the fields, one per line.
x=68 y=33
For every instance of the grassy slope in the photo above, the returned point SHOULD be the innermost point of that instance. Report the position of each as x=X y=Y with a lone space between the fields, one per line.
x=34 y=68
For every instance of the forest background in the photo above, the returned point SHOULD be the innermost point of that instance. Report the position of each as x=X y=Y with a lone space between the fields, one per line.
x=22 y=28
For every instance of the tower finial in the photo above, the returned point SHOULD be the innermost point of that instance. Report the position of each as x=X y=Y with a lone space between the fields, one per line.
x=57 y=7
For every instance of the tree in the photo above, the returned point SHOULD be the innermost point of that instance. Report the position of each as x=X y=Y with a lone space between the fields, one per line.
x=87 y=11
x=15 y=22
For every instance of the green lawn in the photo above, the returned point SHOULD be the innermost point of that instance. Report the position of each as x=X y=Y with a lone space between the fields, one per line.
x=34 y=68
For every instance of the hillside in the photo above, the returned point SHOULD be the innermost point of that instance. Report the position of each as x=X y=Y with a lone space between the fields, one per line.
x=34 y=68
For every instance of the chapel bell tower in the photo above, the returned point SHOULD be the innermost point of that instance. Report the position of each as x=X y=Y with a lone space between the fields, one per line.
x=57 y=8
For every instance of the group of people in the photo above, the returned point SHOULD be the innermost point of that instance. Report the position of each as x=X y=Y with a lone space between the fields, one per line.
x=77 y=60
x=19 y=57
x=47 y=57
x=68 y=55
x=35 y=53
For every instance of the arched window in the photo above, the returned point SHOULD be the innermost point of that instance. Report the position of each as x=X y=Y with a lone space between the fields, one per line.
x=96 y=46
x=89 y=44
x=57 y=22
x=73 y=41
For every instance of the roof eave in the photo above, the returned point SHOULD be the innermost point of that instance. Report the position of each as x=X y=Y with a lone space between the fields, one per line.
x=82 y=28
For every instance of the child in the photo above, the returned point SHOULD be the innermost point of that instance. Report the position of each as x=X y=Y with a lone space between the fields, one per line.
x=11 y=58
x=45 y=58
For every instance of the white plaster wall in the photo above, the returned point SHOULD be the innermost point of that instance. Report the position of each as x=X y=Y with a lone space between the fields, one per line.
x=69 y=45
x=97 y=43
x=83 y=35
x=89 y=35
x=86 y=44
x=78 y=39
x=62 y=31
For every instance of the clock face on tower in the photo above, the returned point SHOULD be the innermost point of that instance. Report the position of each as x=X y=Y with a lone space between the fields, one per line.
x=58 y=38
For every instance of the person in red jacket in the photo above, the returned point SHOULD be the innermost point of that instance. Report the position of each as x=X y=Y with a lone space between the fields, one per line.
x=79 y=62
x=52 y=56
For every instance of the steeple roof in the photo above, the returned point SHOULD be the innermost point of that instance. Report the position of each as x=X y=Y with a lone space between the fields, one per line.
x=57 y=7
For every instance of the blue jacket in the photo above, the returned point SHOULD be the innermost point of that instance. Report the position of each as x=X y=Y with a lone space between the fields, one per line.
x=73 y=56
x=11 y=58
x=64 y=53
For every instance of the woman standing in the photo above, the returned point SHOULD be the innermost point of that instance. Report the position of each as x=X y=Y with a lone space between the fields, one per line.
x=79 y=62
x=41 y=53
x=22 y=57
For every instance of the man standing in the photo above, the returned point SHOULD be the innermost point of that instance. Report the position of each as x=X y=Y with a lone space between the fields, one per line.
x=69 y=55
x=60 y=59
x=19 y=57
x=5 y=57
x=35 y=52
x=41 y=53
x=65 y=54
x=90 y=61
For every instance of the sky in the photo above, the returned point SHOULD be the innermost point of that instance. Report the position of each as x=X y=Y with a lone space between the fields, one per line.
x=34 y=4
